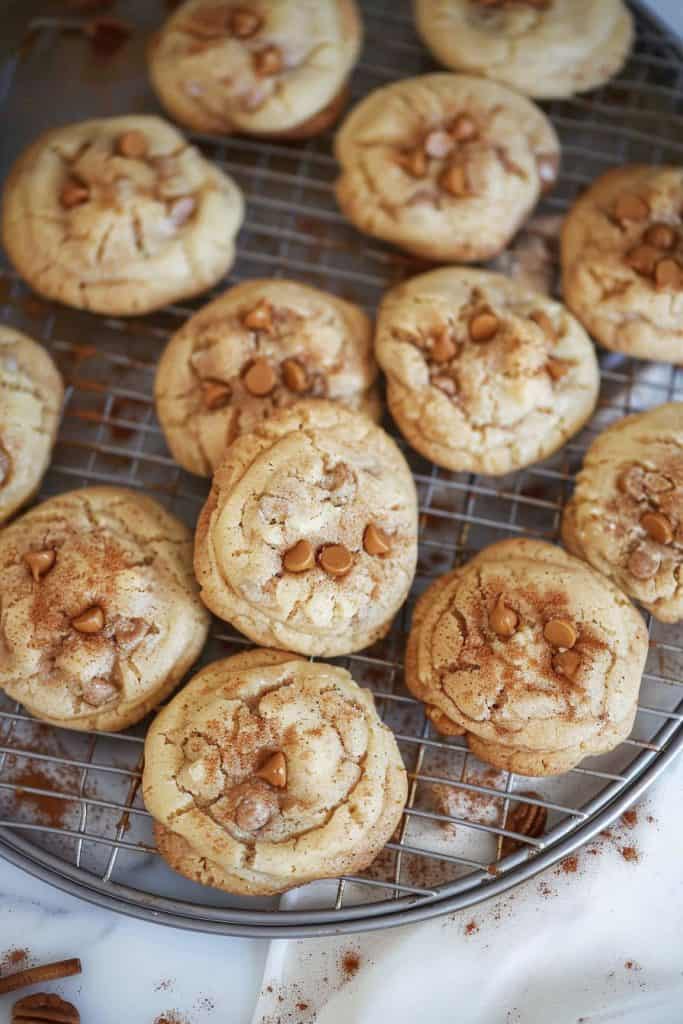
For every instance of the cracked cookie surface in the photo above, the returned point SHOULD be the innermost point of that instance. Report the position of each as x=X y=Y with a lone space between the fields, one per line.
x=119 y=216
x=261 y=67
x=261 y=346
x=31 y=393
x=445 y=166
x=622 y=261
x=626 y=514
x=483 y=374
x=544 y=48
x=308 y=539
x=267 y=771
x=531 y=654
x=99 y=612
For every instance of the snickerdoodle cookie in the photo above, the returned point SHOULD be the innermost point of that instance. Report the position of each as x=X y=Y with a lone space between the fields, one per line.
x=531 y=654
x=544 y=48
x=31 y=393
x=445 y=166
x=626 y=514
x=483 y=375
x=308 y=540
x=261 y=346
x=261 y=67
x=622 y=261
x=119 y=215
x=267 y=771
x=99 y=611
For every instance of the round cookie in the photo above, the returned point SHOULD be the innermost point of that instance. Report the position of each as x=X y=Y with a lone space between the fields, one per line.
x=31 y=393
x=483 y=375
x=99 y=612
x=260 y=67
x=261 y=346
x=267 y=771
x=531 y=654
x=622 y=261
x=119 y=216
x=445 y=166
x=626 y=514
x=545 y=48
x=308 y=539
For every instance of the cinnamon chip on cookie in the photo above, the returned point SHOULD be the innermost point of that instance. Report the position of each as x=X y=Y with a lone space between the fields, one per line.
x=99 y=611
x=532 y=655
x=308 y=539
x=626 y=514
x=483 y=375
x=267 y=771
x=446 y=166
x=119 y=216
x=261 y=346
x=260 y=67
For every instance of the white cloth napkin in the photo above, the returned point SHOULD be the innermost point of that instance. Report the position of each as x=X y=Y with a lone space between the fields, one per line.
x=595 y=940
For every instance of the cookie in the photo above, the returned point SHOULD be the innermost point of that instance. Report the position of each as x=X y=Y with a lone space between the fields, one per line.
x=261 y=346
x=622 y=261
x=267 y=771
x=308 y=539
x=31 y=393
x=99 y=612
x=483 y=375
x=545 y=48
x=445 y=166
x=626 y=514
x=531 y=654
x=260 y=67
x=119 y=216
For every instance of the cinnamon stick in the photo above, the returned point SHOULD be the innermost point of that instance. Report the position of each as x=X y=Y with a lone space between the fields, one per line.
x=38 y=975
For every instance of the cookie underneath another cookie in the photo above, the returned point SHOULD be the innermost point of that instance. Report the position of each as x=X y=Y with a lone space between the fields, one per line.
x=626 y=514
x=532 y=655
x=268 y=771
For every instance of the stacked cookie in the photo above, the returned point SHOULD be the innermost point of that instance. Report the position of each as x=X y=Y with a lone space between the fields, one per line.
x=266 y=771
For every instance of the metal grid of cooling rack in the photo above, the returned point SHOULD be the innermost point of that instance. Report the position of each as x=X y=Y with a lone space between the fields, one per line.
x=70 y=810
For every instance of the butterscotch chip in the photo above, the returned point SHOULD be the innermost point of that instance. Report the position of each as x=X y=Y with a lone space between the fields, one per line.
x=632 y=482
x=558 y=368
x=375 y=540
x=300 y=557
x=443 y=348
x=274 y=771
x=454 y=180
x=560 y=633
x=483 y=326
x=415 y=163
x=658 y=527
x=244 y=23
x=464 y=129
x=439 y=144
x=260 y=318
x=260 y=378
x=252 y=813
x=132 y=144
x=643 y=259
x=631 y=207
x=668 y=274
x=662 y=236
x=295 y=376
x=73 y=194
x=97 y=692
x=643 y=563
x=268 y=61
x=567 y=663
x=336 y=559
x=540 y=317
x=90 y=621
x=215 y=394
x=503 y=620
x=40 y=562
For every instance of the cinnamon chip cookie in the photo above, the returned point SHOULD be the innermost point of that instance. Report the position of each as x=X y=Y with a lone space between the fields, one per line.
x=544 y=48
x=626 y=515
x=119 y=216
x=308 y=539
x=622 y=261
x=267 y=771
x=445 y=166
x=261 y=346
x=99 y=612
x=483 y=374
x=31 y=393
x=531 y=654
x=261 y=67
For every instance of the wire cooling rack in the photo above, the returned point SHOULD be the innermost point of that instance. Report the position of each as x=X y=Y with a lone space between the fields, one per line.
x=70 y=808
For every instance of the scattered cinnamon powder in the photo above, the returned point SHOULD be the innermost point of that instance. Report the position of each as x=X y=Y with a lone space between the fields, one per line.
x=14 y=960
x=471 y=927
x=171 y=1017
x=632 y=965
x=569 y=866
x=302 y=1006
x=630 y=853
x=630 y=818
x=350 y=963
x=164 y=985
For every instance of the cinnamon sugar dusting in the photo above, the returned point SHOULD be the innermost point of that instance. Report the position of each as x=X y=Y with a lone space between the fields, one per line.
x=471 y=927
x=569 y=866
x=14 y=959
x=350 y=963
